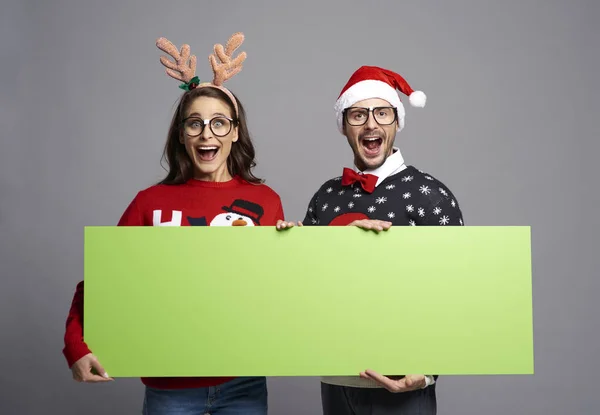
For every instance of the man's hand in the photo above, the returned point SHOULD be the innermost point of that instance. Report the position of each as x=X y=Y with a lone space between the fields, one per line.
x=406 y=384
x=372 y=224
x=281 y=224
x=88 y=369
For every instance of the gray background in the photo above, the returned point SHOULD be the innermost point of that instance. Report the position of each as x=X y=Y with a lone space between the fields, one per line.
x=509 y=127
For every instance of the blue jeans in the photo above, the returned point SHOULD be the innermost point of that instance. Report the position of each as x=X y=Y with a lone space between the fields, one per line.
x=244 y=395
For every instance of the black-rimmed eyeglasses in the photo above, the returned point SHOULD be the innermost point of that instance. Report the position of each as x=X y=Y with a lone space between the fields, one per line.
x=220 y=126
x=356 y=116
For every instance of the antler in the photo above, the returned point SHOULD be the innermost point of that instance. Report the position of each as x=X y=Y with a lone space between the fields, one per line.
x=180 y=69
x=227 y=68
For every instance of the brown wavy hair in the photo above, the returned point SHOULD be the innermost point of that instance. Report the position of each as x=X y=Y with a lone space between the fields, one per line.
x=241 y=159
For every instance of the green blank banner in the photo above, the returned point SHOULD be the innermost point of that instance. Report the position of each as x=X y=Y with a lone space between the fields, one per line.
x=310 y=301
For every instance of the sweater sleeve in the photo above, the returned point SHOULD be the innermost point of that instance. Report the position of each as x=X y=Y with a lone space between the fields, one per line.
x=311 y=216
x=74 y=345
x=442 y=209
x=75 y=348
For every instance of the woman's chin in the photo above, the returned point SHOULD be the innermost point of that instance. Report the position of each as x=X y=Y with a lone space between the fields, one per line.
x=211 y=171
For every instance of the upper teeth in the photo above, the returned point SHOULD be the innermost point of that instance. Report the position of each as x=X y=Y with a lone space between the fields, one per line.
x=371 y=138
x=208 y=148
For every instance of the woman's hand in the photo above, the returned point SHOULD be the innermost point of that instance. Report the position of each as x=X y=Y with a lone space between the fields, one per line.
x=88 y=369
x=281 y=224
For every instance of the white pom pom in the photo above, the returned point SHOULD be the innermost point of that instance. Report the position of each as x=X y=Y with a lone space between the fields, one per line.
x=417 y=99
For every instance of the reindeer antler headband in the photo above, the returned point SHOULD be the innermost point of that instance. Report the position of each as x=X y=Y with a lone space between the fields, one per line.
x=184 y=67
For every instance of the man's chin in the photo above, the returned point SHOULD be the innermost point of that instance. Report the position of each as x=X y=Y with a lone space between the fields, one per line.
x=372 y=163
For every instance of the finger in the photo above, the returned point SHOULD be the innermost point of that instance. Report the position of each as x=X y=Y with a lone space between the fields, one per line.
x=379 y=225
x=91 y=378
x=383 y=225
x=386 y=225
x=77 y=376
x=389 y=384
x=415 y=381
x=99 y=369
x=79 y=371
x=376 y=227
x=300 y=223
x=366 y=225
x=284 y=225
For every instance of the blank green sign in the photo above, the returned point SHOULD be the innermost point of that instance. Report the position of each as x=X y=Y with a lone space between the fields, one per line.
x=229 y=301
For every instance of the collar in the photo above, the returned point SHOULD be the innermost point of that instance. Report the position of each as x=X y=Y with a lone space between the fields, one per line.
x=392 y=165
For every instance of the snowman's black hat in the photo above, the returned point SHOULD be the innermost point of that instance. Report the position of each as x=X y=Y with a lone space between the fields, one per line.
x=246 y=208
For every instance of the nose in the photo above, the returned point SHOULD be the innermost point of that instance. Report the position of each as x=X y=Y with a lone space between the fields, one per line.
x=371 y=123
x=206 y=132
x=239 y=222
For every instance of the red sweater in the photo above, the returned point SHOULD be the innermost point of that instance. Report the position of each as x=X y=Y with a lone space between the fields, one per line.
x=195 y=203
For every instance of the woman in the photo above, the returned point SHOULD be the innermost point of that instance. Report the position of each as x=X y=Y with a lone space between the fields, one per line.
x=209 y=183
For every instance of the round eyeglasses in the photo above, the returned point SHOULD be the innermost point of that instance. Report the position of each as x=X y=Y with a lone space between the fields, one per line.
x=220 y=125
x=356 y=116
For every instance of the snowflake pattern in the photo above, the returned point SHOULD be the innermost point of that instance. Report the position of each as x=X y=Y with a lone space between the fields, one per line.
x=406 y=200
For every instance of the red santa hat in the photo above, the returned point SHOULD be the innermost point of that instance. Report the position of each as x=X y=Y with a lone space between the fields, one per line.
x=374 y=82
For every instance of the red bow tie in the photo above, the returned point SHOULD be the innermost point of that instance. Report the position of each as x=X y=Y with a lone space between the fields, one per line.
x=367 y=181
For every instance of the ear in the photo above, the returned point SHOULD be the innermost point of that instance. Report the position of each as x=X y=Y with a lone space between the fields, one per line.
x=234 y=134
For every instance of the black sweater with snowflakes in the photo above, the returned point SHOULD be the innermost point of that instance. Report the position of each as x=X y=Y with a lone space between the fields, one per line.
x=410 y=197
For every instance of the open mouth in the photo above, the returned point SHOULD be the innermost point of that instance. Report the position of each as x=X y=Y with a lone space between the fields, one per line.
x=371 y=145
x=207 y=153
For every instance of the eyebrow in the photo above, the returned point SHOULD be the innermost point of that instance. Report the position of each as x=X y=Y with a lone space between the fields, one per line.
x=214 y=114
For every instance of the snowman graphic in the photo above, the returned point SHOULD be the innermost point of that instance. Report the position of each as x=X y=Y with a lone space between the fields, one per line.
x=239 y=213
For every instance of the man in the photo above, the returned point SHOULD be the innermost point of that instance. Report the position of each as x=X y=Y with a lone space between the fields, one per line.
x=380 y=191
